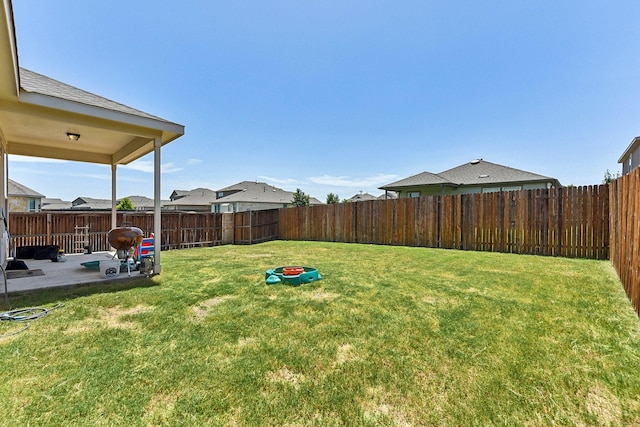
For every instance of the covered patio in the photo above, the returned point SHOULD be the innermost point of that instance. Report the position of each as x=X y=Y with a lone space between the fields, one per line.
x=43 y=273
x=46 y=118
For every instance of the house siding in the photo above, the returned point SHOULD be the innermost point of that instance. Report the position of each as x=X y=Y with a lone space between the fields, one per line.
x=631 y=161
x=21 y=204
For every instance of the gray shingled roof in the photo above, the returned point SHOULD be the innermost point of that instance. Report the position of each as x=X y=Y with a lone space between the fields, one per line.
x=483 y=172
x=362 y=197
x=49 y=204
x=94 y=204
x=141 y=202
x=424 y=178
x=241 y=186
x=19 y=190
x=261 y=192
x=388 y=195
x=197 y=197
x=37 y=83
x=476 y=172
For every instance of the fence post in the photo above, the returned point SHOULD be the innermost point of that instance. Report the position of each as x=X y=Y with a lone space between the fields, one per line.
x=48 y=229
x=228 y=228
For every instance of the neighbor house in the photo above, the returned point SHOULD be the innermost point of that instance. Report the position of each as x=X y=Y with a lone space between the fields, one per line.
x=477 y=176
x=140 y=203
x=22 y=199
x=362 y=197
x=253 y=196
x=197 y=200
x=90 y=204
x=53 y=204
x=630 y=159
x=143 y=203
x=387 y=195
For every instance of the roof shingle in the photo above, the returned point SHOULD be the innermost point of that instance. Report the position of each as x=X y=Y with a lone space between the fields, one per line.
x=37 y=83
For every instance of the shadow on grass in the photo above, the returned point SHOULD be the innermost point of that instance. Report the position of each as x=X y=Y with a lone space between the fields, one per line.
x=46 y=296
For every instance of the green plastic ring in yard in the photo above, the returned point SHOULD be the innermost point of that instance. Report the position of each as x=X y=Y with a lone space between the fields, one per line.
x=292 y=275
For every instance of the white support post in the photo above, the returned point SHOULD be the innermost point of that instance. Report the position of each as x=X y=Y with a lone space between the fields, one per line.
x=114 y=212
x=5 y=244
x=157 y=218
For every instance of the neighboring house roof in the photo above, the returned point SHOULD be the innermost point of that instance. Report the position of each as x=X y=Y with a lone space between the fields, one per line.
x=49 y=204
x=83 y=200
x=89 y=203
x=200 y=197
x=258 y=192
x=140 y=202
x=388 y=195
x=176 y=194
x=362 y=196
x=203 y=192
x=240 y=186
x=18 y=190
x=476 y=172
x=423 y=178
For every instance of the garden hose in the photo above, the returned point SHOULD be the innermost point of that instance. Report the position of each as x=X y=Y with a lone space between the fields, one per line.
x=25 y=315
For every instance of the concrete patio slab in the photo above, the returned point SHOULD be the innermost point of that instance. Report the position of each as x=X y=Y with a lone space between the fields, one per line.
x=64 y=274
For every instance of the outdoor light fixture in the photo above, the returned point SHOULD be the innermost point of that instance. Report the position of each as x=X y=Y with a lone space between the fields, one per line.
x=73 y=136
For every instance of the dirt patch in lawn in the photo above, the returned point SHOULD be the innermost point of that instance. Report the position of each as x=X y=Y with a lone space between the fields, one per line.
x=203 y=308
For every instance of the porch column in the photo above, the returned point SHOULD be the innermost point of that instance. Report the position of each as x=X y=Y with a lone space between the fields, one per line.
x=157 y=218
x=114 y=212
x=5 y=246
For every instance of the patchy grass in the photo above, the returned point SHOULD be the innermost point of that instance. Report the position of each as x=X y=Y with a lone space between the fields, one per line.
x=390 y=336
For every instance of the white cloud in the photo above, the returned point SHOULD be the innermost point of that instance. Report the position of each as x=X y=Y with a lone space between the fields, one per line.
x=289 y=181
x=347 y=181
x=192 y=162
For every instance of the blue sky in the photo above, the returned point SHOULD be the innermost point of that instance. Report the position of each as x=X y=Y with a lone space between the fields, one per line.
x=343 y=96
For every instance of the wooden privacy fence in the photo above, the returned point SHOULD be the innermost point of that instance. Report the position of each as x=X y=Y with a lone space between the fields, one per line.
x=624 y=196
x=179 y=230
x=569 y=222
x=255 y=226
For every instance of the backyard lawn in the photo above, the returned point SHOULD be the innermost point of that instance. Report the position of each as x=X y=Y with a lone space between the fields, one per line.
x=390 y=336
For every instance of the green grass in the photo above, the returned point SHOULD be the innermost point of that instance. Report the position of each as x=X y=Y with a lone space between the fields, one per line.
x=390 y=336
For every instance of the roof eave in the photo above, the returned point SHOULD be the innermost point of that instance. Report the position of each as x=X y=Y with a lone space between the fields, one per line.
x=102 y=113
x=8 y=58
x=392 y=187
x=634 y=144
